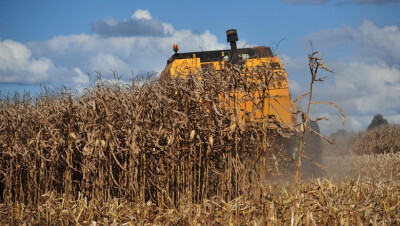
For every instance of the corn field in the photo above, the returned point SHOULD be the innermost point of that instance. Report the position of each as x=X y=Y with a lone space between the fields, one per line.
x=167 y=152
x=380 y=140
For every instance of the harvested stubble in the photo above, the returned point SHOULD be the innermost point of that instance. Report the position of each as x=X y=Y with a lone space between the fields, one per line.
x=355 y=202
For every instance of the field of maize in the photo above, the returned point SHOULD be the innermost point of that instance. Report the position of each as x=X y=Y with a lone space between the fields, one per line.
x=169 y=153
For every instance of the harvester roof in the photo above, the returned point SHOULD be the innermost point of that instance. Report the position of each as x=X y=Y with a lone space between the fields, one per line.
x=218 y=55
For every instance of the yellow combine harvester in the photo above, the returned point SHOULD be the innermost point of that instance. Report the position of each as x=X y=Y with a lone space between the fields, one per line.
x=267 y=98
x=277 y=102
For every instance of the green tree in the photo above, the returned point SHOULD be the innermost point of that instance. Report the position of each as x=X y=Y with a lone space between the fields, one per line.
x=377 y=121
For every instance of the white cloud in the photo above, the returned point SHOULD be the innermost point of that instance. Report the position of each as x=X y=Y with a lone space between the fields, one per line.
x=168 y=28
x=140 y=24
x=107 y=62
x=366 y=78
x=59 y=45
x=142 y=14
x=361 y=90
x=370 y=84
x=369 y=42
x=377 y=43
x=80 y=80
x=80 y=77
x=369 y=87
x=140 y=53
x=18 y=66
x=66 y=59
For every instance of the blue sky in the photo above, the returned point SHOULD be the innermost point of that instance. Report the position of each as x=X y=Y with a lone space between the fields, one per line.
x=58 y=43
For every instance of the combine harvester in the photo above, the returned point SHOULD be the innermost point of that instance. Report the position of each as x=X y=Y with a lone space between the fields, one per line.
x=278 y=109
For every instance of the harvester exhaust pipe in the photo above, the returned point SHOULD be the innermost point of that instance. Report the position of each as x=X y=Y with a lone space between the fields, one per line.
x=232 y=37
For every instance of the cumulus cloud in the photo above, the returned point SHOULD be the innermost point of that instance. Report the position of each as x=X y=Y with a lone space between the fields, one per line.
x=18 y=66
x=369 y=42
x=142 y=14
x=362 y=90
x=378 y=43
x=80 y=80
x=123 y=54
x=107 y=62
x=366 y=80
x=140 y=24
x=69 y=59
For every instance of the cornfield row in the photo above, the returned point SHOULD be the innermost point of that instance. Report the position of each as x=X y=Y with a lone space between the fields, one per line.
x=356 y=202
x=168 y=142
x=383 y=139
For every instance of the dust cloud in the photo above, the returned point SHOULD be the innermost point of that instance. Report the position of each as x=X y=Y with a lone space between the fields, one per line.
x=339 y=163
x=342 y=164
